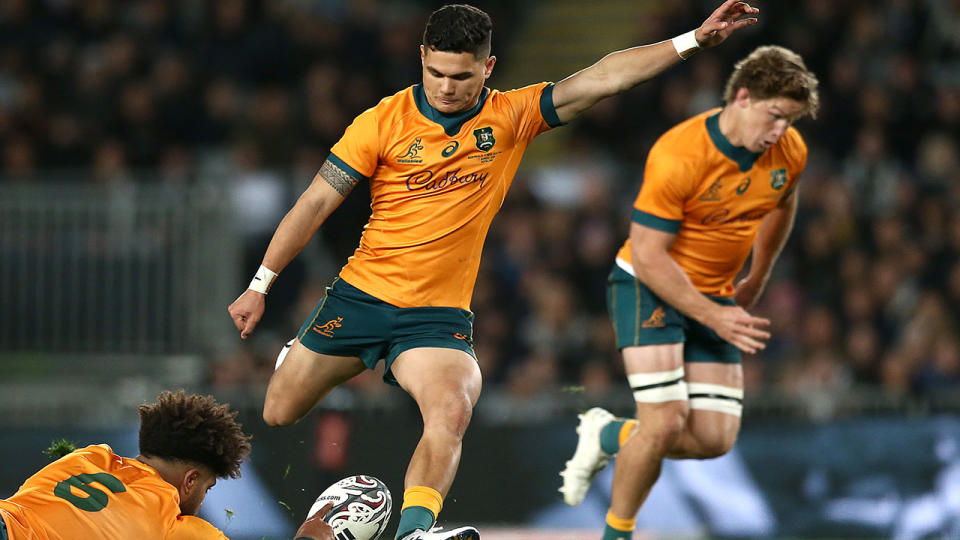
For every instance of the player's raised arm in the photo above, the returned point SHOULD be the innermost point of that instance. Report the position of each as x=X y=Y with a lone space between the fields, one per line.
x=622 y=70
x=328 y=189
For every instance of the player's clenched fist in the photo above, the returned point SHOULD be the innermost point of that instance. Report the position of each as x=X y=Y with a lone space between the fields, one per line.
x=246 y=311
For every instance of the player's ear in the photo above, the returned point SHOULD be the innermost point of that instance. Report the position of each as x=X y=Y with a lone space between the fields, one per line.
x=190 y=481
x=742 y=97
x=423 y=54
x=488 y=67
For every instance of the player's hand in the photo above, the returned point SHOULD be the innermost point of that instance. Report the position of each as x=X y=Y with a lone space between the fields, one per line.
x=739 y=328
x=315 y=527
x=748 y=291
x=246 y=311
x=727 y=19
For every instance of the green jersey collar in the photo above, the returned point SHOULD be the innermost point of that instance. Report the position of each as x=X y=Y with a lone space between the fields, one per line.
x=741 y=156
x=451 y=123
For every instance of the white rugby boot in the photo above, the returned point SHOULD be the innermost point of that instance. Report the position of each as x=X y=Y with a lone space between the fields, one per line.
x=435 y=533
x=588 y=459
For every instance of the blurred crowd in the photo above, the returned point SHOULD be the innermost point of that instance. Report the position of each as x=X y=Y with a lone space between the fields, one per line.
x=865 y=296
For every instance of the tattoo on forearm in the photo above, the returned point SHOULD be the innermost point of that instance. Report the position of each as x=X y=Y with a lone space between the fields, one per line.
x=339 y=180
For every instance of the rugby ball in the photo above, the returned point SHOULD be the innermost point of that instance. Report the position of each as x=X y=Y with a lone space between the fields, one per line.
x=361 y=508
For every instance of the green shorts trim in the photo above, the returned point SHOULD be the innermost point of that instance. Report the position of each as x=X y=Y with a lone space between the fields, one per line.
x=350 y=322
x=640 y=318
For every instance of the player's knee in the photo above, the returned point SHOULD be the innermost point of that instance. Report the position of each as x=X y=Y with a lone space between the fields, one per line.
x=451 y=413
x=664 y=423
x=275 y=415
x=273 y=419
x=458 y=412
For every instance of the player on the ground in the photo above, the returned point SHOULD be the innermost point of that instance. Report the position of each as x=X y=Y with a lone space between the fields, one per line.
x=715 y=186
x=440 y=157
x=187 y=442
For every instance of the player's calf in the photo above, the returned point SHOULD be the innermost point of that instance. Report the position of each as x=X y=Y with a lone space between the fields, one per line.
x=713 y=424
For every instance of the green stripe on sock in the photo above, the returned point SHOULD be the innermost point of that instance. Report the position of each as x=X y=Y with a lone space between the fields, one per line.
x=413 y=518
x=609 y=533
x=610 y=437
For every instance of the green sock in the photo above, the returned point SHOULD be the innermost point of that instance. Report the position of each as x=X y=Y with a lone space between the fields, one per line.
x=610 y=436
x=413 y=518
x=609 y=533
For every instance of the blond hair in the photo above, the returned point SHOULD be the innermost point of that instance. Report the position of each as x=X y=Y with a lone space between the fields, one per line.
x=772 y=71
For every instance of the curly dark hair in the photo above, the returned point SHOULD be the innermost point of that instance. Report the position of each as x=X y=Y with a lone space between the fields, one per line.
x=459 y=28
x=194 y=429
x=772 y=71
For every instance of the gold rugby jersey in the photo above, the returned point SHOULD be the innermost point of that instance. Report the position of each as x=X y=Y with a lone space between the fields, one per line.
x=713 y=196
x=436 y=181
x=93 y=493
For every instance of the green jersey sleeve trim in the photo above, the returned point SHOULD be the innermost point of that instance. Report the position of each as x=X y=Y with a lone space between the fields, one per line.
x=342 y=165
x=649 y=220
x=547 y=108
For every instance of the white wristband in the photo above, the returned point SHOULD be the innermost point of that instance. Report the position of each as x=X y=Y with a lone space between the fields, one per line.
x=686 y=44
x=262 y=280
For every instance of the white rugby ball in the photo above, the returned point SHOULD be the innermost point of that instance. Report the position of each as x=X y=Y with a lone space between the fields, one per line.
x=361 y=508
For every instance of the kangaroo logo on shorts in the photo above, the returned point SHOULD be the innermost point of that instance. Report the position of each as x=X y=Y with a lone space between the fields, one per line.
x=485 y=140
x=656 y=319
x=327 y=328
x=464 y=337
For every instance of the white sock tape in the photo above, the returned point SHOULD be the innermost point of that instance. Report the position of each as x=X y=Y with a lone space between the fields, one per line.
x=262 y=280
x=658 y=387
x=714 y=397
x=686 y=44
x=646 y=379
x=662 y=394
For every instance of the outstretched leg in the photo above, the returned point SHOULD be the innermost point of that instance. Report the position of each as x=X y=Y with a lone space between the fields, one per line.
x=445 y=383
